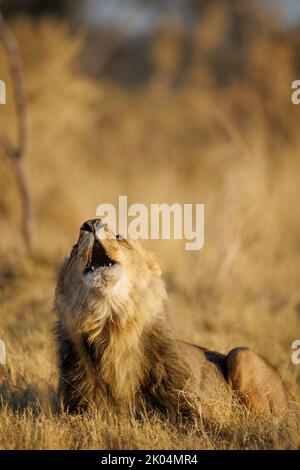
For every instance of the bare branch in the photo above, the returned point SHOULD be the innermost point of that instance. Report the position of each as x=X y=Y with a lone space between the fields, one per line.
x=18 y=152
x=16 y=68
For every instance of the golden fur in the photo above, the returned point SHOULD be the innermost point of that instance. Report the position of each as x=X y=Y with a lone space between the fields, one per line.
x=116 y=347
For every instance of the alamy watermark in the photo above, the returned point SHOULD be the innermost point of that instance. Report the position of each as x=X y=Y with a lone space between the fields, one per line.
x=159 y=221
x=296 y=353
x=2 y=92
x=2 y=353
x=295 y=97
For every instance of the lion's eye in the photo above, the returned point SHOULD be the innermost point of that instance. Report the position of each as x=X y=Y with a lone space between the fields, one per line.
x=119 y=236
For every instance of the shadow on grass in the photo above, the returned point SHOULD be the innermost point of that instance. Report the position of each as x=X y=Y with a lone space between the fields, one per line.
x=19 y=400
x=27 y=399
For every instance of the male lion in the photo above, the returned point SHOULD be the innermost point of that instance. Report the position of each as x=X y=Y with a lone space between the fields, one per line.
x=116 y=346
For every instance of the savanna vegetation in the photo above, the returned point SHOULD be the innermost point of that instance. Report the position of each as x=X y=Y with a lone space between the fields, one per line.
x=213 y=123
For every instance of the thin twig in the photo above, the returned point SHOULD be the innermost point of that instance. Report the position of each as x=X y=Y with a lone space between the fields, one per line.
x=17 y=153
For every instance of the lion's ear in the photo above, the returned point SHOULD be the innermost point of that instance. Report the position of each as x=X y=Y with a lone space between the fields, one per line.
x=151 y=262
x=148 y=257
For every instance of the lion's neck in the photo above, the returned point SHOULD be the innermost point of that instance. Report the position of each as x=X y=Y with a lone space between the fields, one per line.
x=116 y=351
x=113 y=332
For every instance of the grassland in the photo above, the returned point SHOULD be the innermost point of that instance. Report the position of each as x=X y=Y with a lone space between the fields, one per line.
x=235 y=149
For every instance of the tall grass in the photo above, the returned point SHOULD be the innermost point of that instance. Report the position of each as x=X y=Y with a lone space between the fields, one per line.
x=234 y=147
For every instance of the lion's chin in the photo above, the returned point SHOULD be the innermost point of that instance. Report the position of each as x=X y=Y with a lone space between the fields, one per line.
x=104 y=279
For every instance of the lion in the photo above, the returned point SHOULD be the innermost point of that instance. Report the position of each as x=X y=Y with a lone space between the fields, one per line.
x=116 y=347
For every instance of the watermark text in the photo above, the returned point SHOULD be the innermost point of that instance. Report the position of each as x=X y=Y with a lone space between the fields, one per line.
x=159 y=221
x=2 y=352
x=2 y=92
x=296 y=94
x=296 y=353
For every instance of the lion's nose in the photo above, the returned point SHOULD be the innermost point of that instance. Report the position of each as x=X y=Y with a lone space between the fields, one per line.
x=90 y=225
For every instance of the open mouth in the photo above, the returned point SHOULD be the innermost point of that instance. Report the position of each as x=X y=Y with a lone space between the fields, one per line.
x=99 y=258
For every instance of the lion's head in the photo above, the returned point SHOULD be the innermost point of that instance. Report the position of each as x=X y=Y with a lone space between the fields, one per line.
x=109 y=277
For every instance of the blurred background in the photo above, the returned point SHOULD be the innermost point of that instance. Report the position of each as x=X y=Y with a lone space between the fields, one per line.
x=163 y=101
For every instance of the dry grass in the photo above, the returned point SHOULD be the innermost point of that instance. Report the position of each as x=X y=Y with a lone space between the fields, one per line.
x=92 y=142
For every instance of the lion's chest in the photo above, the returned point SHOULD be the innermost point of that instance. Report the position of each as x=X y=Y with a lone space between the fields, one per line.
x=119 y=364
